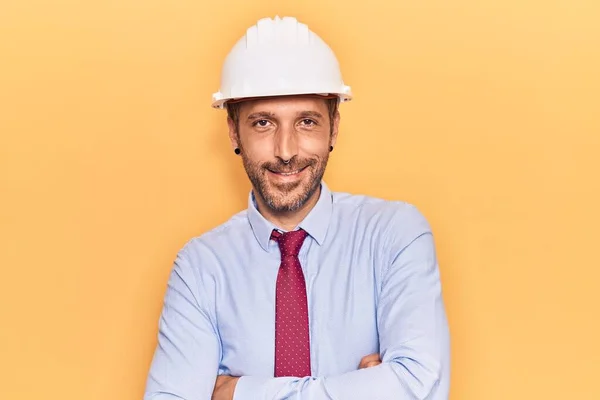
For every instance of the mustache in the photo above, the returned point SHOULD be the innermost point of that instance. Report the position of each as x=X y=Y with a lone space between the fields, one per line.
x=295 y=164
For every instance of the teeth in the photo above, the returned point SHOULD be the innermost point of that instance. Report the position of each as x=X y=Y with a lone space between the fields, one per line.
x=289 y=173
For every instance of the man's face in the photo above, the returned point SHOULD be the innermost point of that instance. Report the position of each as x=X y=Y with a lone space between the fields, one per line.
x=274 y=130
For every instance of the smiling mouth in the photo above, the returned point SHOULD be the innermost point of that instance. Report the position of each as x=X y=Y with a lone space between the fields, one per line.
x=288 y=173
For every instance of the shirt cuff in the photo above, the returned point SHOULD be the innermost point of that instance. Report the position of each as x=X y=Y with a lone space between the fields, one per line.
x=250 y=388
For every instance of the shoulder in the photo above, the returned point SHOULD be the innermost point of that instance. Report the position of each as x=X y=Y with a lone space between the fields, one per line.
x=396 y=219
x=209 y=245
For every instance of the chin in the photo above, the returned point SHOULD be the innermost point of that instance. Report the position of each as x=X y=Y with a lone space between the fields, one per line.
x=288 y=201
x=285 y=196
x=290 y=198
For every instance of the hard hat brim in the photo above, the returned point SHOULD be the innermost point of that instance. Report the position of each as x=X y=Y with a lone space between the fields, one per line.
x=220 y=104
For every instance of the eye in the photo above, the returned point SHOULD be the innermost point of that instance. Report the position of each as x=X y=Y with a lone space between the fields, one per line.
x=308 y=122
x=261 y=123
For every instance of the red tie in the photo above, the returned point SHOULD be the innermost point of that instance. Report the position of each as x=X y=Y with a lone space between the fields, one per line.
x=292 y=343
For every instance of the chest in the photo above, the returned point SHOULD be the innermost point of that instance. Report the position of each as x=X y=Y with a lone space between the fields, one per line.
x=342 y=289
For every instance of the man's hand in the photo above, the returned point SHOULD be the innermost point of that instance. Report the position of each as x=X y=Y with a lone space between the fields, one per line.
x=224 y=387
x=369 y=361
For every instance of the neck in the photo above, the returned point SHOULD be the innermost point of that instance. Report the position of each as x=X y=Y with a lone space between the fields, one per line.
x=287 y=220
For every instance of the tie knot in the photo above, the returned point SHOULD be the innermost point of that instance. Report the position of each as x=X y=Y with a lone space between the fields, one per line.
x=289 y=242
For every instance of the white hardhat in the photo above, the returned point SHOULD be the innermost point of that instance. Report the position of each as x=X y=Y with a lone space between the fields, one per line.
x=280 y=57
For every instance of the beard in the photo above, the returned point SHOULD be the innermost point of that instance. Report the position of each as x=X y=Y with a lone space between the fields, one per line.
x=290 y=196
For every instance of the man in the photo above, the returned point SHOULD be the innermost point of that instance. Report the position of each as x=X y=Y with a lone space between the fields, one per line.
x=309 y=293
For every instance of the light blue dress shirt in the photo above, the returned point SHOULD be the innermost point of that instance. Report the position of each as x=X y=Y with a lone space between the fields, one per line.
x=373 y=286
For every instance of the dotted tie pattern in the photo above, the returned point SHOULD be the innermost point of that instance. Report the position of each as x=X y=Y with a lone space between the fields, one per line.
x=292 y=343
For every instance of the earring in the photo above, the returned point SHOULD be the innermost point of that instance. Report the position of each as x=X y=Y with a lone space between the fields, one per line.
x=330 y=149
x=237 y=151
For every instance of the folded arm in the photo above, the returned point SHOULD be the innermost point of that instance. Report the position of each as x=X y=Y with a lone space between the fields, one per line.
x=186 y=359
x=412 y=327
x=413 y=336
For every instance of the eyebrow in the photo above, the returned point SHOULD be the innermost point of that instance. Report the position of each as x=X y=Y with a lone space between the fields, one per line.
x=313 y=114
x=261 y=114
x=301 y=114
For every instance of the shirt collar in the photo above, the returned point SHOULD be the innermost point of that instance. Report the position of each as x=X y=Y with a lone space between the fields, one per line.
x=315 y=223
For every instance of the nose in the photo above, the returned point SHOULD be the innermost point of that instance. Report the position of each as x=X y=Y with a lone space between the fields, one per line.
x=286 y=142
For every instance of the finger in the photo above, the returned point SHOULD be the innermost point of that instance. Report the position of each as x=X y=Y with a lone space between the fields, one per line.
x=371 y=357
x=221 y=379
x=373 y=364
x=367 y=359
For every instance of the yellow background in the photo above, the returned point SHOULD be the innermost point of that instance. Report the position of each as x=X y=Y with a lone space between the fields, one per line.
x=485 y=114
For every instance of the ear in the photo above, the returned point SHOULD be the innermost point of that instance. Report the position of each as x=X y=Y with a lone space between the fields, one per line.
x=335 y=128
x=233 y=134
